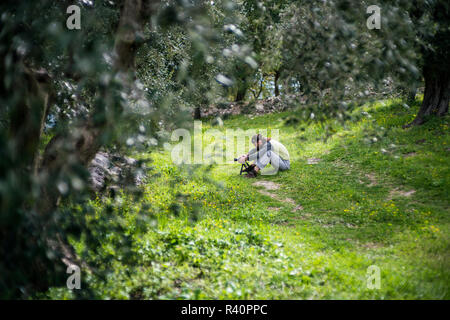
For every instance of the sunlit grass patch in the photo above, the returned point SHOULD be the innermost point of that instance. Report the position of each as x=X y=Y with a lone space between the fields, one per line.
x=212 y=235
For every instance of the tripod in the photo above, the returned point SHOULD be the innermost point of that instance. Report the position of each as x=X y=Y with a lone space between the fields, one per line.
x=244 y=166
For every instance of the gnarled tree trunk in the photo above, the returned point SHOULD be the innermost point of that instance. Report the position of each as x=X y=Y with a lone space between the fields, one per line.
x=80 y=144
x=436 y=72
x=277 y=77
x=83 y=142
x=197 y=113
x=437 y=94
x=27 y=120
x=240 y=95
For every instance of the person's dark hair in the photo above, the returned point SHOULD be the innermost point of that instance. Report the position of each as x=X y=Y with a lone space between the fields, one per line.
x=259 y=137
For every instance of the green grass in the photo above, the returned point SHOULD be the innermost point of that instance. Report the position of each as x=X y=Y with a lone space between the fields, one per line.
x=210 y=234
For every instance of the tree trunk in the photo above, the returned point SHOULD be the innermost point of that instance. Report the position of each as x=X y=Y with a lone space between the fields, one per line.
x=83 y=142
x=436 y=73
x=242 y=91
x=197 y=113
x=260 y=88
x=412 y=95
x=277 y=77
x=18 y=231
x=134 y=14
x=437 y=94
x=27 y=119
x=80 y=145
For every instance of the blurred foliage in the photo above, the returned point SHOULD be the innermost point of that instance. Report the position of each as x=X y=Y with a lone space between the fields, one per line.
x=130 y=76
x=246 y=245
x=64 y=97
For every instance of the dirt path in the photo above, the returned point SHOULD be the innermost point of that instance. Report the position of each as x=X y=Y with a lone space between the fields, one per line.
x=269 y=186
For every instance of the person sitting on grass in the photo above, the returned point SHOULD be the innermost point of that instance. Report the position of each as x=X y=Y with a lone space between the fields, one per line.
x=266 y=151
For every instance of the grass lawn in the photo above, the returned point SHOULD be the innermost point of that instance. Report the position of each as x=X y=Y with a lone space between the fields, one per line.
x=376 y=194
